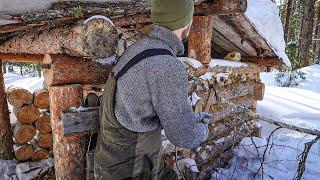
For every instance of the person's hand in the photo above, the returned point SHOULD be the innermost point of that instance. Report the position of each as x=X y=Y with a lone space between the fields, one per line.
x=205 y=117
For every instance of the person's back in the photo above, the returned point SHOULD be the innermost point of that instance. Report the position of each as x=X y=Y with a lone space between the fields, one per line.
x=152 y=94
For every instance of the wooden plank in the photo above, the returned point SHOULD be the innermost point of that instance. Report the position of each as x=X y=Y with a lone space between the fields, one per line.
x=233 y=35
x=86 y=120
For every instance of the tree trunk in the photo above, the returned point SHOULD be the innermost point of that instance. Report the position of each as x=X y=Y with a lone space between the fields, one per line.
x=23 y=152
x=43 y=124
x=97 y=39
x=199 y=46
x=71 y=70
x=27 y=114
x=23 y=132
x=316 y=47
x=6 y=142
x=41 y=98
x=69 y=152
x=306 y=32
x=18 y=97
x=287 y=22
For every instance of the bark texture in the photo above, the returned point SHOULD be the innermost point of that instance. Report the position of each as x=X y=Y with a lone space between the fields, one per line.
x=6 y=142
x=69 y=152
x=71 y=70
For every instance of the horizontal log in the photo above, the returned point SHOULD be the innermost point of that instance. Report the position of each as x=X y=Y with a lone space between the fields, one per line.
x=43 y=124
x=21 y=57
x=23 y=133
x=62 y=69
x=41 y=98
x=264 y=61
x=23 y=152
x=97 y=39
x=18 y=97
x=44 y=140
x=27 y=113
x=86 y=120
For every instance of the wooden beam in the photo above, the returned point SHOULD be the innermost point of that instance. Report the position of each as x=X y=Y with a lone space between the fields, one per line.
x=199 y=45
x=96 y=38
x=263 y=61
x=258 y=92
x=6 y=142
x=218 y=7
x=21 y=57
x=69 y=152
x=86 y=120
x=63 y=69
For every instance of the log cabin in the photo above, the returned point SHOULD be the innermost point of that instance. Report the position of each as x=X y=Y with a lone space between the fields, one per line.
x=75 y=56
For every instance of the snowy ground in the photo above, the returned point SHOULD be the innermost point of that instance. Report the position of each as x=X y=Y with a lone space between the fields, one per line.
x=299 y=106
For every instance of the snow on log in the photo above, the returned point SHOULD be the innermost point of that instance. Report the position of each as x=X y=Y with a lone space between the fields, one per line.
x=6 y=142
x=23 y=152
x=44 y=140
x=18 y=97
x=27 y=113
x=43 y=124
x=23 y=133
x=199 y=43
x=61 y=69
x=97 y=39
x=41 y=98
x=69 y=152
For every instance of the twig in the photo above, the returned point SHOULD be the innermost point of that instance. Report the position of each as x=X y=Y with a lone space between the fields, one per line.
x=303 y=157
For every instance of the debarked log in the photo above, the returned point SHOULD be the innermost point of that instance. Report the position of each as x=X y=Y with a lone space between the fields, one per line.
x=97 y=39
x=62 y=69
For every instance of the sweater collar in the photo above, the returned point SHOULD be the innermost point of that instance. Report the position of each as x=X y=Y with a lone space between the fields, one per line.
x=167 y=36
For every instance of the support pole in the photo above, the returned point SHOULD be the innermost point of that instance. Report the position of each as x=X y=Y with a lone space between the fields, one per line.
x=69 y=152
x=200 y=39
x=6 y=142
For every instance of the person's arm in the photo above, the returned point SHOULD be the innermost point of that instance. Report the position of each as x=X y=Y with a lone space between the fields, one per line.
x=168 y=84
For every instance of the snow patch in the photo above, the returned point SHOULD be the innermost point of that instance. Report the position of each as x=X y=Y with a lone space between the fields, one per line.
x=192 y=62
x=264 y=16
x=207 y=76
x=220 y=62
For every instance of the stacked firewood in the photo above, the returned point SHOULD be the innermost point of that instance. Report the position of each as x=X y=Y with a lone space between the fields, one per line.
x=32 y=131
x=226 y=91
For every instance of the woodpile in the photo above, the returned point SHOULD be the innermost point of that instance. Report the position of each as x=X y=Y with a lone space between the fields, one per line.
x=32 y=131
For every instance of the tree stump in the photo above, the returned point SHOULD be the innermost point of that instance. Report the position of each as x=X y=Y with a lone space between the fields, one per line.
x=70 y=151
x=18 y=97
x=6 y=142
x=199 y=45
x=23 y=132
x=27 y=113
x=41 y=99
x=43 y=124
x=44 y=140
x=23 y=152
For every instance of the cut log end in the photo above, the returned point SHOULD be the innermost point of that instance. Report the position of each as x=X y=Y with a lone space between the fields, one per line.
x=45 y=140
x=41 y=99
x=23 y=152
x=43 y=124
x=27 y=114
x=18 y=97
x=23 y=132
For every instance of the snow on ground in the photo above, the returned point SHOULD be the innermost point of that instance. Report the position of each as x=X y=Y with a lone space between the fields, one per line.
x=264 y=16
x=299 y=106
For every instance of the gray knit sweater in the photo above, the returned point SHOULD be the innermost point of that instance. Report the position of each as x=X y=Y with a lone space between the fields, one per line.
x=154 y=92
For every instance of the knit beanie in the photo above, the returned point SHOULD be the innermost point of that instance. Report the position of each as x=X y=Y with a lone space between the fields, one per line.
x=172 y=14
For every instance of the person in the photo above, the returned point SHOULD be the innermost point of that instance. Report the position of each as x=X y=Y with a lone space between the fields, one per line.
x=147 y=91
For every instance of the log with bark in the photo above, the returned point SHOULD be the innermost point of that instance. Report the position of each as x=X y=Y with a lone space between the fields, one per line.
x=23 y=152
x=18 y=97
x=23 y=133
x=6 y=142
x=27 y=113
x=69 y=152
x=44 y=140
x=43 y=124
x=39 y=152
x=62 y=69
x=97 y=39
x=41 y=98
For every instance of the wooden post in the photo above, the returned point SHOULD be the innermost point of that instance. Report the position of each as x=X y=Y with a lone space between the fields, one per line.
x=69 y=152
x=200 y=39
x=6 y=142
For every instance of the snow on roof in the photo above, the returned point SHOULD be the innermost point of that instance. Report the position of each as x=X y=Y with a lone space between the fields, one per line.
x=264 y=16
x=5 y=22
x=221 y=62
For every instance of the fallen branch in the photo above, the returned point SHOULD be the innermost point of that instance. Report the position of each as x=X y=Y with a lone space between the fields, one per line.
x=303 y=157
